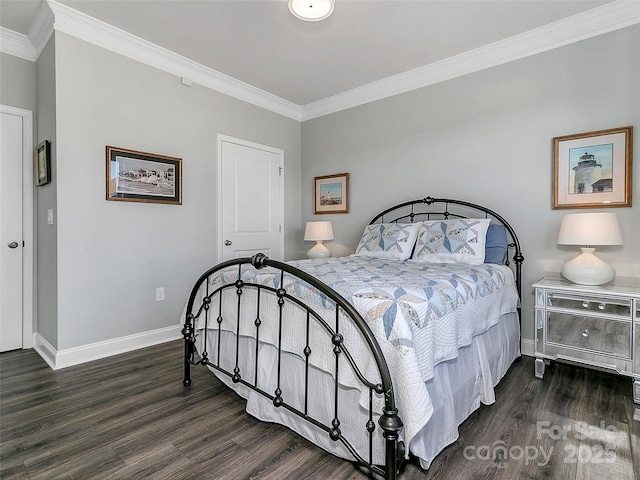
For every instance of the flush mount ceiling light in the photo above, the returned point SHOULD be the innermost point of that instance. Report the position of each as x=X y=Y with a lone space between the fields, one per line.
x=311 y=10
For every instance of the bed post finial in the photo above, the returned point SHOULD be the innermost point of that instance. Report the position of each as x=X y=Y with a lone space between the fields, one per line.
x=258 y=260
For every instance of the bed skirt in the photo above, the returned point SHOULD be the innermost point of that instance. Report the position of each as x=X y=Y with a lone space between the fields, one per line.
x=457 y=389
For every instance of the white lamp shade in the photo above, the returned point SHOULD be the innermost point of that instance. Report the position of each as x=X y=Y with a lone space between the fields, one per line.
x=590 y=229
x=318 y=231
x=311 y=10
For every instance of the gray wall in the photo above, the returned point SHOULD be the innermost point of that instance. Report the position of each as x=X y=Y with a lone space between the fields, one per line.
x=45 y=199
x=111 y=256
x=485 y=138
x=17 y=82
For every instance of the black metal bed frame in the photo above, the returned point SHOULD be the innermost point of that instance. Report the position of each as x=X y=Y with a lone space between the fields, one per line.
x=389 y=421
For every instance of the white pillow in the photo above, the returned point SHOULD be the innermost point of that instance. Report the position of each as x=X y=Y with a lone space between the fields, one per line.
x=388 y=240
x=459 y=240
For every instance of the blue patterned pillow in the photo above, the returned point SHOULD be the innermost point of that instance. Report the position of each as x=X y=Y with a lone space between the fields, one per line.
x=460 y=240
x=388 y=240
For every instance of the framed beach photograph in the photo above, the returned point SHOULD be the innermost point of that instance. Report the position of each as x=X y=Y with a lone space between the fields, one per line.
x=42 y=160
x=134 y=176
x=593 y=170
x=331 y=194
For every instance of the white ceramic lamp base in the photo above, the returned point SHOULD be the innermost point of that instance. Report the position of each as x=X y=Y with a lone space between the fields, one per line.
x=587 y=269
x=319 y=251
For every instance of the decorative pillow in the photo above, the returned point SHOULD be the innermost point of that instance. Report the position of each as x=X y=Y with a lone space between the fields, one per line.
x=388 y=240
x=459 y=240
x=495 y=249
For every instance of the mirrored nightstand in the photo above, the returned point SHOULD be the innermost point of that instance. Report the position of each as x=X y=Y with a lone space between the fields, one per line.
x=592 y=326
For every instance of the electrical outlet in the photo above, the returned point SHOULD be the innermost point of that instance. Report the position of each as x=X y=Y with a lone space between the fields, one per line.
x=159 y=294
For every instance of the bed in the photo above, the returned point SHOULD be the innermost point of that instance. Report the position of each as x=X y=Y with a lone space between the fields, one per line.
x=374 y=356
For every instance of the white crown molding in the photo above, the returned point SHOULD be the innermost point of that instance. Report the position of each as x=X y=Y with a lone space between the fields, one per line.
x=606 y=18
x=42 y=28
x=89 y=29
x=16 y=44
x=597 y=21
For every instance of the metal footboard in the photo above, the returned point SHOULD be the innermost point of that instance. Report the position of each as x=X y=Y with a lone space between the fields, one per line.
x=206 y=306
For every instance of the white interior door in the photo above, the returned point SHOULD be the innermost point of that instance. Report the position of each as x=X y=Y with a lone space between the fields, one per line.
x=250 y=207
x=11 y=241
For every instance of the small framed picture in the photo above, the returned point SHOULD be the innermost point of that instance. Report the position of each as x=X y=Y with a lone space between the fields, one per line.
x=592 y=170
x=42 y=167
x=331 y=194
x=134 y=176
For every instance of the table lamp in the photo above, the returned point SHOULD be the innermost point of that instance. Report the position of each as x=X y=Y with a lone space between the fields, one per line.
x=318 y=231
x=589 y=229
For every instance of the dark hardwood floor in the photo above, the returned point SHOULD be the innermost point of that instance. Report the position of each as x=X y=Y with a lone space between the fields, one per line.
x=129 y=417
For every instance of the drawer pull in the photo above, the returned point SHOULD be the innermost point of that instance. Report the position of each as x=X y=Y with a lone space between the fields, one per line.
x=585 y=304
x=601 y=306
x=585 y=333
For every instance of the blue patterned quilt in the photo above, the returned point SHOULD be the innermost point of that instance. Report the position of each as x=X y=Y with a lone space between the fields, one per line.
x=397 y=294
x=389 y=290
x=427 y=291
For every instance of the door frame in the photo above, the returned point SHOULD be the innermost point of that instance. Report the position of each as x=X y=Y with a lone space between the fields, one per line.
x=28 y=251
x=245 y=143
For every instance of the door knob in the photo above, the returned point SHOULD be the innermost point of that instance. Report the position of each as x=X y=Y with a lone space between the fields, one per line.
x=227 y=242
x=13 y=245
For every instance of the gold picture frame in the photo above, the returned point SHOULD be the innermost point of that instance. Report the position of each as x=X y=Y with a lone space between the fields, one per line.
x=593 y=169
x=331 y=193
x=134 y=176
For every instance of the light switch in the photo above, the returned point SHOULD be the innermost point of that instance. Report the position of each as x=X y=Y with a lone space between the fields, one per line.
x=50 y=216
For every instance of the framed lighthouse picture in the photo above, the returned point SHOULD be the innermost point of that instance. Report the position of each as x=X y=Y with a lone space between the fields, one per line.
x=593 y=170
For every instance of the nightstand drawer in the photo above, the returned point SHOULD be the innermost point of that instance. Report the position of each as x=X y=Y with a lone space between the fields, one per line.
x=598 y=335
x=583 y=304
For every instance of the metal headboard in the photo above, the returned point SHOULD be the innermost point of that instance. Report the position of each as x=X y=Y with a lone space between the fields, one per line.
x=430 y=208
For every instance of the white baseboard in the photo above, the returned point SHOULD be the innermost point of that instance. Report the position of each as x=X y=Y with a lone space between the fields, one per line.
x=45 y=350
x=526 y=347
x=57 y=359
x=95 y=351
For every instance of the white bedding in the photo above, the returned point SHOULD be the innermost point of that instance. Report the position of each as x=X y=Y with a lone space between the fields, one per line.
x=421 y=348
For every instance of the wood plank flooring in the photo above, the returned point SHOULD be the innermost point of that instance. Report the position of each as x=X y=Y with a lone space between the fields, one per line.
x=129 y=417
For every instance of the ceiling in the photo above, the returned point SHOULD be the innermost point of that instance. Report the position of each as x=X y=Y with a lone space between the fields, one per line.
x=260 y=43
